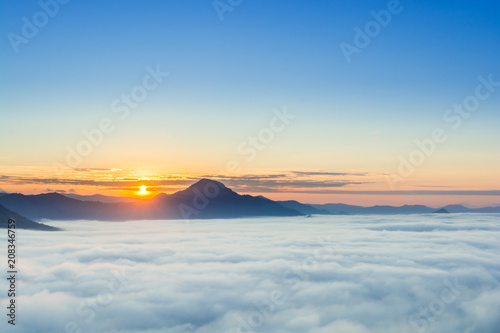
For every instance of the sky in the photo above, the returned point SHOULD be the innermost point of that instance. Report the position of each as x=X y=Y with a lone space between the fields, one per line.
x=366 y=102
x=352 y=274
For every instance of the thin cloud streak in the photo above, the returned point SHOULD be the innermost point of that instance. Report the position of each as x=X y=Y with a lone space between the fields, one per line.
x=291 y=182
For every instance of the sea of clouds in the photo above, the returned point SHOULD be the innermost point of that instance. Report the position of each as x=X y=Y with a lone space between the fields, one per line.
x=324 y=274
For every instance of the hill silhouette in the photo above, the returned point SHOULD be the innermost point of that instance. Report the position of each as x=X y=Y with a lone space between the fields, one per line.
x=21 y=221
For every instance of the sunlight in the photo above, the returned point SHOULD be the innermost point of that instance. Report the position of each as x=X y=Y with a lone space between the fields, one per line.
x=142 y=190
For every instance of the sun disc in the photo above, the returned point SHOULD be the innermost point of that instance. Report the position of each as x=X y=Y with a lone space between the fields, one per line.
x=142 y=190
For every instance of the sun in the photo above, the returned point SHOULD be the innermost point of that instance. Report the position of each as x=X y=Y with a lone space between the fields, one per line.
x=142 y=190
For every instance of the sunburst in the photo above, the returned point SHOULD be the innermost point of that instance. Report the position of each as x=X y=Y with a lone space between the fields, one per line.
x=143 y=190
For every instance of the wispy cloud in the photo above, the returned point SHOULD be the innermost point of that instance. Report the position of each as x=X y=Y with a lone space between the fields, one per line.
x=321 y=173
x=96 y=169
x=113 y=182
x=310 y=182
x=397 y=192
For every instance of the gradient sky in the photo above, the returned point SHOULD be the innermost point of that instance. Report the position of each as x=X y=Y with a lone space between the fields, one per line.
x=353 y=121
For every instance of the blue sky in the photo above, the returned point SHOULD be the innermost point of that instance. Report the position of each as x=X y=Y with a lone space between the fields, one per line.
x=227 y=76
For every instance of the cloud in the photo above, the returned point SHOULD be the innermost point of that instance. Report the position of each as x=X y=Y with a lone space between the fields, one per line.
x=312 y=182
x=96 y=169
x=320 y=173
x=50 y=190
x=111 y=182
x=293 y=181
x=324 y=274
x=416 y=192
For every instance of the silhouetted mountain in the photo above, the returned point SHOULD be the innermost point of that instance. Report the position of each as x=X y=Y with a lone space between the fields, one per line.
x=441 y=211
x=212 y=199
x=21 y=221
x=303 y=208
x=202 y=200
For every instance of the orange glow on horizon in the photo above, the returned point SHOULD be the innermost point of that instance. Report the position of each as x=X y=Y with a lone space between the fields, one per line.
x=143 y=185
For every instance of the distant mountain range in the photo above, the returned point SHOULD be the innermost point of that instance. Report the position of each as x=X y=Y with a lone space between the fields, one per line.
x=406 y=209
x=205 y=199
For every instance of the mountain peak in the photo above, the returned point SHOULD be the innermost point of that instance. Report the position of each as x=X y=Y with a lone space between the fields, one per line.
x=203 y=185
x=455 y=206
x=52 y=195
x=207 y=182
x=211 y=199
x=207 y=187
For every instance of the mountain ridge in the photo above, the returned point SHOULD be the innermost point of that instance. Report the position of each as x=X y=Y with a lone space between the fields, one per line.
x=338 y=208
x=204 y=199
x=21 y=221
